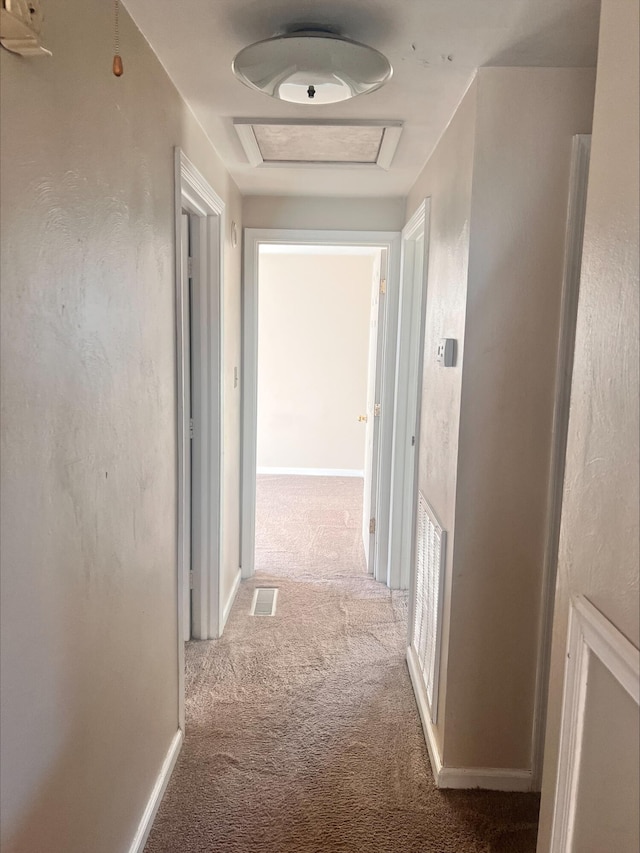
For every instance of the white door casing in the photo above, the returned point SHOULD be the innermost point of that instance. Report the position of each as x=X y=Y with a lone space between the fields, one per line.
x=184 y=438
x=406 y=427
x=370 y=487
x=205 y=208
x=253 y=238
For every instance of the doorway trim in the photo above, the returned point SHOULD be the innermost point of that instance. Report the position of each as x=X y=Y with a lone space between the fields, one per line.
x=253 y=238
x=194 y=195
x=411 y=329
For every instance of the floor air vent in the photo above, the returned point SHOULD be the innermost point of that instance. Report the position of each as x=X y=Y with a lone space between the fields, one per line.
x=264 y=601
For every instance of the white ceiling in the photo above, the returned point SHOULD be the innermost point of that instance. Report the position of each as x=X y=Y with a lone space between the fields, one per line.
x=434 y=47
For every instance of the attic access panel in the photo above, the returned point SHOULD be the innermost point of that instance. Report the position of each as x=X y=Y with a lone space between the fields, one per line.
x=307 y=143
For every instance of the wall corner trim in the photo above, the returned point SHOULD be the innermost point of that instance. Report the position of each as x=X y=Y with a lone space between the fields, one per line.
x=574 y=238
x=229 y=602
x=425 y=715
x=157 y=793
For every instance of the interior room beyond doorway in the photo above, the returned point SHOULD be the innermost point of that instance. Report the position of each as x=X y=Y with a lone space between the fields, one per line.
x=317 y=344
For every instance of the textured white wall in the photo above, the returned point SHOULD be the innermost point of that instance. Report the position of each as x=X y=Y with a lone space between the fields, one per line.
x=447 y=180
x=499 y=183
x=358 y=214
x=89 y=639
x=526 y=119
x=314 y=315
x=599 y=535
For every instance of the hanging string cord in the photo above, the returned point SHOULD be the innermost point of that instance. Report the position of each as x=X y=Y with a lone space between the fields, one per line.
x=116 y=27
x=117 y=60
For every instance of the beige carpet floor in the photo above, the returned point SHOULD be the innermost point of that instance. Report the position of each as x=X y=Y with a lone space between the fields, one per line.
x=302 y=731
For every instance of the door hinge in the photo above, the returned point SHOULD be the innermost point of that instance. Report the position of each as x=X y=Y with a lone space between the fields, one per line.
x=376 y=410
x=413 y=441
x=372 y=526
x=190 y=267
x=383 y=285
x=190 y=427
x=190 y=580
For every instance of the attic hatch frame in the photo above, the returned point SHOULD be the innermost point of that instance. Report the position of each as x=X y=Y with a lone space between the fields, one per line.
x=390 y=137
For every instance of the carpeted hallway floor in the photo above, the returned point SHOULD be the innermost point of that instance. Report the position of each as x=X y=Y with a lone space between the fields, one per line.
x=302 y=731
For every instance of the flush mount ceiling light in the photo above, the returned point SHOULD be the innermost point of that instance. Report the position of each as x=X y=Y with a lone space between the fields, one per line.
x=311 y=67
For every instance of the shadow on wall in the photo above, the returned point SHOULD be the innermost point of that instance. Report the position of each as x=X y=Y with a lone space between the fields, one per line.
x=251 y=21
x=60 y=771
x=44 y=820
x=550 y=39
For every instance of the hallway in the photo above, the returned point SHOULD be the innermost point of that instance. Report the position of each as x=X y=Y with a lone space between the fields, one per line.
x=302 y=731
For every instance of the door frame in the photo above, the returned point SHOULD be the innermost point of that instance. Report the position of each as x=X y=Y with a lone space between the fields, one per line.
x=406 y=426
x=183 y=329
x=372 y=429
x=194 y=195
x=253 y=238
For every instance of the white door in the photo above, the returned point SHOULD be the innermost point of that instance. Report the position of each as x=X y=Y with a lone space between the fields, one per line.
x=373 y=410
x=185 y=501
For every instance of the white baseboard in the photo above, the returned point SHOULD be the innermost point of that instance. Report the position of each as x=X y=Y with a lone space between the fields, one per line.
x=487 y=778
x=314 y=472
x=232 y=597
x=160 y=786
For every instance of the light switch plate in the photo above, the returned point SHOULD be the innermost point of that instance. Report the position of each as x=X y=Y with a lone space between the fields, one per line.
x=446 y=355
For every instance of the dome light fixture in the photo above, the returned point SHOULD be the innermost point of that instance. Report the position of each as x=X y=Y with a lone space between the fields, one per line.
x=311 y=67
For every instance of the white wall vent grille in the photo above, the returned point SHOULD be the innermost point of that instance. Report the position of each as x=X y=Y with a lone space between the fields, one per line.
x=427 y=618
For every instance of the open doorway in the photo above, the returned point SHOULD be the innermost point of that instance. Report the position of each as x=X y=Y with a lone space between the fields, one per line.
x=199 y=216
x=318 y=387
x=386 y=246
